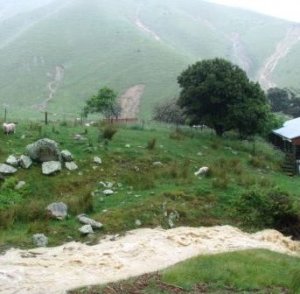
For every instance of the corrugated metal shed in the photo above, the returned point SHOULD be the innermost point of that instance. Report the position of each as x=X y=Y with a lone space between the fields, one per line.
x=290 y=129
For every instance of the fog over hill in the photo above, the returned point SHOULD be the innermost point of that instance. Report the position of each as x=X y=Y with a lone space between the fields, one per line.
x=55 y=54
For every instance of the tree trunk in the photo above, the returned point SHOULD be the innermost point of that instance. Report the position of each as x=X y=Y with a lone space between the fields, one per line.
x=219 y=130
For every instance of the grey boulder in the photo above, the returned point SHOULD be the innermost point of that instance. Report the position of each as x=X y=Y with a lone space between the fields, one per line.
x=20 y=185
x=58 y=210
x=86 y=229
x=12 y=160
x=88 y=221
x=43 y=150
x=7 y=169
x=71 y=165
x=51 y=167
x=40 y=240
x=66 y=155
x=25 y=161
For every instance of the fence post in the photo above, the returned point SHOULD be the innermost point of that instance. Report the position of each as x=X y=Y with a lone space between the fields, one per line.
x=46 y=117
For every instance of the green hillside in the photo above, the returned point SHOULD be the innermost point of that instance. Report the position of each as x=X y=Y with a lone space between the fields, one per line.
x=121 y=44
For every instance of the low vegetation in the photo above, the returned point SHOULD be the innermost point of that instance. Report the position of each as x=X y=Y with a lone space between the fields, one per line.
x=152 y=172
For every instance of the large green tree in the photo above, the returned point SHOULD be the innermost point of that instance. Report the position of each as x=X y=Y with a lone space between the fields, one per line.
x=103 y=102
x=219 y=94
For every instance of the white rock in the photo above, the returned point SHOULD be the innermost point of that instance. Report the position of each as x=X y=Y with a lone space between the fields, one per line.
x=138 y=222
x=127 y=146
x=88 y=221
x=71 y=165
x=7 y=169
x=106 y=184
x=40 y=240
x=97 y=160
x=108 y=192
x=20 y=185
x=66 y=155
x=86 y=229
x=12 y=160
x=51 y=167
x=25 y=161
x=157 y=163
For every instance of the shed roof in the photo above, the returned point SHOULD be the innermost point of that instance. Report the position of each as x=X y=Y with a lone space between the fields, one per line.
x=290 y=129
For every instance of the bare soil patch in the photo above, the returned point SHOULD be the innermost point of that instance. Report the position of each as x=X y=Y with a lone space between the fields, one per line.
x=130 y=101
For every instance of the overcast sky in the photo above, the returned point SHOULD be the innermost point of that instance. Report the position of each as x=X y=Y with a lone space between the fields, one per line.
x=286 y=9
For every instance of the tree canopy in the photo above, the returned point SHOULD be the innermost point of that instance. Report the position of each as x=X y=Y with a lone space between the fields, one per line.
x=103 y=102
x=219 y=94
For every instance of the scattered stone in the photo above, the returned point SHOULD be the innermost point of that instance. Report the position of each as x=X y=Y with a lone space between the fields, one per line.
x=71 y=165
x=157 y=163
x=23 y=137
x=58 y=210
x=199 y=153
x=173 y=216
x=80 y=173
x=43 y=150
x=86 y=229
x=127 y=146
x=40 y=240
x=51 y=167
x=88 y=221
x=25 y=161
x=79 y=137
x=20 y=185
x=108 y=192
x=7 y=169
x=106 y=184
x=94 y=167
x=12 y=160
x=138 y=223
x=66 y=155
x=97 y=160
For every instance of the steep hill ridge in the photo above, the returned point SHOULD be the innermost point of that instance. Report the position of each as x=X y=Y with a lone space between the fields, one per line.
x=124 y=43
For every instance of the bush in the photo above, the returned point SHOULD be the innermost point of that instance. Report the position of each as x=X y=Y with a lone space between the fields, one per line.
x=108 y=132
x=272 y=208
x=151 y=144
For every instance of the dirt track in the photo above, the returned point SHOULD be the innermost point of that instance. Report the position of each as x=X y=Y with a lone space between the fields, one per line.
x=55 y=270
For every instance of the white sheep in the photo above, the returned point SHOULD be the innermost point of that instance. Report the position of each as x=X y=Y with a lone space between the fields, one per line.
x=202 y=171
x=9 y=128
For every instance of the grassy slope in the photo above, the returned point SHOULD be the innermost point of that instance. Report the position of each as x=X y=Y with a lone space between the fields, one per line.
x=107 y=48
x=288 y=70
x=144 y=188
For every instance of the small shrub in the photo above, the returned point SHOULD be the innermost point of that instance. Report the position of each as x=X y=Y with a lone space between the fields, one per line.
x=272 y=208
x=151 y=144
x=108 y=132
x=258 y=161
x=82 y=204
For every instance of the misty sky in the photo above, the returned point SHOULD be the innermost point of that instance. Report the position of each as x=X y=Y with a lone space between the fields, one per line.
x=286 y=9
